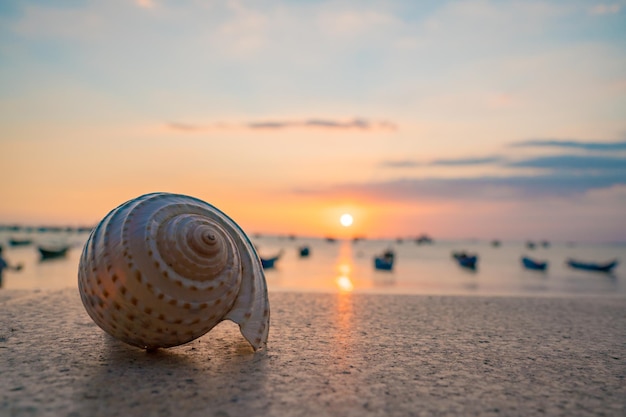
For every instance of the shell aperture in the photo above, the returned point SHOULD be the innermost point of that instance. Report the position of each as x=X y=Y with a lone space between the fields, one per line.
x=163 y=269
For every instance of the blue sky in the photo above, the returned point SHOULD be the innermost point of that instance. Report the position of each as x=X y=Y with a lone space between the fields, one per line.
x=410 y=113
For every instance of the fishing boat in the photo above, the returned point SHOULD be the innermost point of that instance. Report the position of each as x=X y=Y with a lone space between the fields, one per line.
x=19 y=242
x=465 y=260
x=384 y=262
x=592 y=266
x=270 y=263
x=424 y=240
x=534 y=264
x=304 y=251
x=52 y=252
x=468 y=261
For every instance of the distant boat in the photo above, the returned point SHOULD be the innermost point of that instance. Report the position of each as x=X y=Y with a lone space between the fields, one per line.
x=424 y=239
x=384 y=262
x=495 y=243
x=269 y=263
x=531 y=245
x=19 y=242
x=533 y=264
x=304 y=251
x=52 y=253
x=468 y=261
x=465 y=260
x=591 y=266
x=330 y=239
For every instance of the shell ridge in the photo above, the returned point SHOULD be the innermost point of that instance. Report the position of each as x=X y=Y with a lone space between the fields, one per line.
x=183 y=274
x=251 y=310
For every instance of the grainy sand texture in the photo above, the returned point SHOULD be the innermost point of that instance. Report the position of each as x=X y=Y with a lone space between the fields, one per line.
x=328 y=355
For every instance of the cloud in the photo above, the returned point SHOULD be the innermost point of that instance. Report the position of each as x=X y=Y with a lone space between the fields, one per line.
x=353 y=124
x=467 y=161
x=401 y=163
x=570 y=163
x=572 y=144
x=510 y=188
x=561 y=176
x=322 y=123
x=579 y=163
x=410 y=163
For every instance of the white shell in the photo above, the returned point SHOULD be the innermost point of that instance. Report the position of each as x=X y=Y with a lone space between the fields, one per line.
x=164 y=269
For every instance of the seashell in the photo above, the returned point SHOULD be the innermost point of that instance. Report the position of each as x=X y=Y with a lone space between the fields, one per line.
x=164 y=269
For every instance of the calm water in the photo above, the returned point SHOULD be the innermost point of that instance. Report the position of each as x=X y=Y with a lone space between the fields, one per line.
x=346 y=265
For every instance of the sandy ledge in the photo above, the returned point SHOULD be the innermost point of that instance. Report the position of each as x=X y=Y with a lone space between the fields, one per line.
x=328 y=355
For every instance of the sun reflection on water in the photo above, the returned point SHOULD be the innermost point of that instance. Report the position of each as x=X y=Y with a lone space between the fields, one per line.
x=344 y=283
x=345 y=269
x=344 y=265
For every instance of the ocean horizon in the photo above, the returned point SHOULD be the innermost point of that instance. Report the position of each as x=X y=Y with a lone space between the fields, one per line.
x=346 y=265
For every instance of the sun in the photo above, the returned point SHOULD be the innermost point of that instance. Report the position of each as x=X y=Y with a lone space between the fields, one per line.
x=346 y=220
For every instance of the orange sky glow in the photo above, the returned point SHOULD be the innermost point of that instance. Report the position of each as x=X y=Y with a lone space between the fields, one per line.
x=454 y=119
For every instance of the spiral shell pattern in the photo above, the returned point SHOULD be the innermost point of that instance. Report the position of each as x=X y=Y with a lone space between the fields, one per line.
x=164 y=269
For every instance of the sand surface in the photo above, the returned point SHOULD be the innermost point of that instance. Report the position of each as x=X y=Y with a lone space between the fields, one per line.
x=328 y=355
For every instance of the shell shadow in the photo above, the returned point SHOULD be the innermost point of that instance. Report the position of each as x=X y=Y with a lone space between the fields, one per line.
x=219 y=371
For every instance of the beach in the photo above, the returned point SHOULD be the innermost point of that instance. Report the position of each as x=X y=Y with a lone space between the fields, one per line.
x=327 y=355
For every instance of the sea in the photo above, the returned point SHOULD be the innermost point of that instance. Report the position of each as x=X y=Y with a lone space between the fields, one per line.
x=339 y=266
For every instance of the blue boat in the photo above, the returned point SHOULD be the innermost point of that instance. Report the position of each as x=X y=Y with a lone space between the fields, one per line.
x=465 y=260
x=384 y=262
x=468 y=262
x=305 y=251
x=533 y=264
x=590 y=266
x=269 y=263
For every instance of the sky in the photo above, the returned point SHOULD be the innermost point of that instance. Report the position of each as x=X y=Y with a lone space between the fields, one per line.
x=458 y=119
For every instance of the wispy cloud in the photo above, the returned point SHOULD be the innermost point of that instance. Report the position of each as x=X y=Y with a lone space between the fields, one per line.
x=362 y=124
x=467 y=161
x=567 y=162
x=572 y=144
x=351 y=124
x=411 y=163
x=401 y=163
x=560 y=176
x=578 y=163
x=510 y=188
